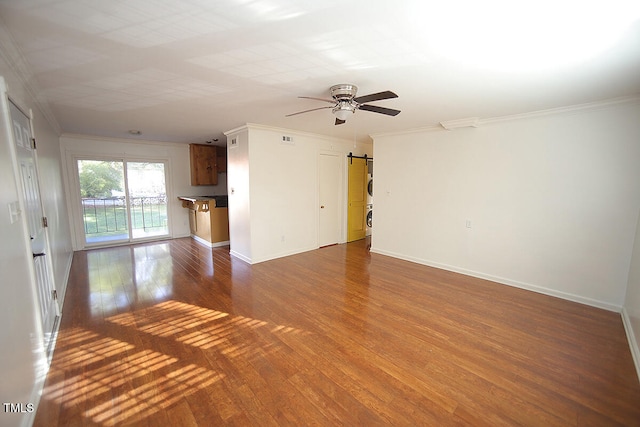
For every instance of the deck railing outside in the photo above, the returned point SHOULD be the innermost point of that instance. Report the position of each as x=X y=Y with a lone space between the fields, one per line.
x=108 y=216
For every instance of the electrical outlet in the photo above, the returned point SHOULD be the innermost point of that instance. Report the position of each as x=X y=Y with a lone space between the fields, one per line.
x=468 y=223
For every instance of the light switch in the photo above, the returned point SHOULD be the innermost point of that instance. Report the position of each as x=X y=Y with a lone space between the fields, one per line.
x=14 y=211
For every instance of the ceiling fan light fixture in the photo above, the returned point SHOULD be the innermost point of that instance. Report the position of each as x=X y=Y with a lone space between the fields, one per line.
x=343 y=110
x=344 y=102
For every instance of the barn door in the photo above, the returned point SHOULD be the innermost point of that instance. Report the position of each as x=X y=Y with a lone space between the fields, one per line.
x=36 y=221
x=356 y=212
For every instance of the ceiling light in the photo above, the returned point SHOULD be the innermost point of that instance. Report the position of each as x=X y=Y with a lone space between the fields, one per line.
x=343 y=110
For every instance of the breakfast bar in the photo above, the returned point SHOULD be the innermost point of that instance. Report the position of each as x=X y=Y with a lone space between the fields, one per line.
x=208 y=219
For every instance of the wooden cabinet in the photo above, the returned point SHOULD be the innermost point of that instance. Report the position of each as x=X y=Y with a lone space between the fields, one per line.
x=204 y=168
x=206 y=162
x=221 y=153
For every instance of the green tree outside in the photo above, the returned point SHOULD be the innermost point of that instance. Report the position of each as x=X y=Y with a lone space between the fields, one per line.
x=98 y=179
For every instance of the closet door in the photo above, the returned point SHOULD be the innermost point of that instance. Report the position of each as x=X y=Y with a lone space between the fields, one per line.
x=330 y=201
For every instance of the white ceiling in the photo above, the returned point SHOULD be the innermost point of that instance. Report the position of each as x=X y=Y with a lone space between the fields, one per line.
x=188 y=70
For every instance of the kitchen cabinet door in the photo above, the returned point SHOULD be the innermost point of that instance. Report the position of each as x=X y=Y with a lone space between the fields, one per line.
x=204 y=164
x=222 y=159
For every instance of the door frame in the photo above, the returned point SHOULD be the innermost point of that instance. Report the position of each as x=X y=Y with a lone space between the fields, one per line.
x=75 y=205
x=46 y=327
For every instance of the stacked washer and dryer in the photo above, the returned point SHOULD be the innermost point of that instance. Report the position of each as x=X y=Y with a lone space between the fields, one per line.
x=369 y=196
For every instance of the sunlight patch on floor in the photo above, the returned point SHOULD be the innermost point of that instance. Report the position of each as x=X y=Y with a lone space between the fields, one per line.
x=196 y=326
x=113 y=381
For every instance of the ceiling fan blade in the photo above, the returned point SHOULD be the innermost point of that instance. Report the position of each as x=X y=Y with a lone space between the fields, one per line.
x=381 y=110
x=306 y=111
x=339 y=122
x=331 y=101
x=387 y=94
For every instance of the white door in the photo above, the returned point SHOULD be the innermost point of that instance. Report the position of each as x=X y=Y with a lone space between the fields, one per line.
x=330 y=195
x=35 y=217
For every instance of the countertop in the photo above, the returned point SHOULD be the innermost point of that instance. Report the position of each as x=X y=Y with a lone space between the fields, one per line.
x=216 y=201
x=198 y=198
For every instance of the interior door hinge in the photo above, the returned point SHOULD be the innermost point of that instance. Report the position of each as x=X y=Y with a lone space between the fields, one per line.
x=54 y=294
x=45 y=223
x=33 y=143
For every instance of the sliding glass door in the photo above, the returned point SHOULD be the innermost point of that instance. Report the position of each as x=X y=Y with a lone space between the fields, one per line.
x=122 y=201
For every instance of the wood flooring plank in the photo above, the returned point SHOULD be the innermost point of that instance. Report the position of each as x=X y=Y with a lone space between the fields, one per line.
x=176 y=333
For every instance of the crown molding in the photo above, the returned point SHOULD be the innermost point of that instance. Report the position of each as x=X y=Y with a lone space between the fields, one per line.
x=18 y=63
x=430 y=128
x=476 y=122
x=471 y=122
x=570 y=109
x=85 y=137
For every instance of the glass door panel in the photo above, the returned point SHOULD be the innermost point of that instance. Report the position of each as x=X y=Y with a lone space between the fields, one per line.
x=104 y=210
x=147 y=199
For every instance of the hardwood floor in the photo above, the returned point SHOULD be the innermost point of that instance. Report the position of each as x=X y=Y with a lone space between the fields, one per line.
x=175 y=333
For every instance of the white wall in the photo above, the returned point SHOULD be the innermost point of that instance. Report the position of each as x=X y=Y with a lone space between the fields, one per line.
x=239 y=194
x=273 y=211
x=178 y=173
x=552 y=200
x=22 y=355
x=631 y=308
x=53 y=198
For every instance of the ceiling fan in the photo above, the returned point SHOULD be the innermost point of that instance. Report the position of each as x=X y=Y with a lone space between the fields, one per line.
x=345 y=102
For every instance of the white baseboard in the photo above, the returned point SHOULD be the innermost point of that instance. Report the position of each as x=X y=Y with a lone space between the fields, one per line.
x=631 y=337
x=270 y=257
x=240 y=256
x=534 y=288
x=283 y=254
x=209 y=244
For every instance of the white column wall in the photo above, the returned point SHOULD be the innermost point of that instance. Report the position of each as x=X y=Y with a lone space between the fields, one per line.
x=274 y=211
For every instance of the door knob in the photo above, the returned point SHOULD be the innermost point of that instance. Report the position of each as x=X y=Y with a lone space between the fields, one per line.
x=39 y=254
